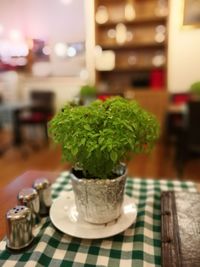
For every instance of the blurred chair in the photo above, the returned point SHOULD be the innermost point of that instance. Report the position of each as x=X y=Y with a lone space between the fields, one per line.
x=43 y=99
x=188 y=141
x=37 y=114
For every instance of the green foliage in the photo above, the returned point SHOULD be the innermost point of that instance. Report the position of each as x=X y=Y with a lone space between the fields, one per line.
x=88 y=91
x=101 y=135
x=195 y=88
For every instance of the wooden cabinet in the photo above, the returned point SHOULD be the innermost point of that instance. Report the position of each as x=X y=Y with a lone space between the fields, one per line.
x=135 y=33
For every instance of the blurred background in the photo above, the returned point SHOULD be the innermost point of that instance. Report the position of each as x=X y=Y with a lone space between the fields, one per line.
x=58 y=51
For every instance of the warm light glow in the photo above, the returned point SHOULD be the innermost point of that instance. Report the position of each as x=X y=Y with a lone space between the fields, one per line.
x=161 y=28
x=105 y=61
x=101 y=15
x=129 y=11
x=121 y=33
x=129 y=36
x=111 y=33
x=158 y=60
x=160 y=33
x=159 y=37
x=15 y=35
x=132 y=60
x=60 y=49
x=161 y=8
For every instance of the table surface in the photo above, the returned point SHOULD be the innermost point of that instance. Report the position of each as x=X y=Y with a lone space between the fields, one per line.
x=8 y=194
x=139 y=245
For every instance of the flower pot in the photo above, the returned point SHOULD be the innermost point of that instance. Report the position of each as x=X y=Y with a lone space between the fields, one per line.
x=99 y=200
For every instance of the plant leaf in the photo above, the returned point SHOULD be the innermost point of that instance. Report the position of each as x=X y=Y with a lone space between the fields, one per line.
x=113 y=156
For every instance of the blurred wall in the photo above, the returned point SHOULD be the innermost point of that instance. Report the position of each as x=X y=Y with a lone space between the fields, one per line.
x=65 y=88
x=183 y=54
x=9 y=90
x=90 y=39
x=46 y=19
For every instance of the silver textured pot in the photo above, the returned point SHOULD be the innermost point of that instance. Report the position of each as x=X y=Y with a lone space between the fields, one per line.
x=99 y=200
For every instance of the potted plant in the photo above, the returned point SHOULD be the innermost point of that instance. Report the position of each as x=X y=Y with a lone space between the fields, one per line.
x=96 y=139
x=195 y=91
x=88 y=93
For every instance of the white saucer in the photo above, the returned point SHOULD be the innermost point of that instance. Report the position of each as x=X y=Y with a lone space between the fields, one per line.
x=65 y=217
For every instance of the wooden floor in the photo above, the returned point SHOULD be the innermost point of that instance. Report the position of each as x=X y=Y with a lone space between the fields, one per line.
x=158 y=164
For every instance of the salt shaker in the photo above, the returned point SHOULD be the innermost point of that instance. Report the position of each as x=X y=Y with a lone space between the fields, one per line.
x=19 y=227
x=43 y=188
x=30 y=198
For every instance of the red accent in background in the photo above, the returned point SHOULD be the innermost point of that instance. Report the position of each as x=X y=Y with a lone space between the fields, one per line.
x=6 y=67
x=103 y=97
x=180 y=98
x=157 y=79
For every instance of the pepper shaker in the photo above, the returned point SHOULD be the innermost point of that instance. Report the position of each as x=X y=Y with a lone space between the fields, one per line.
x=19 y=227
x=43 y=188
x=30 y=198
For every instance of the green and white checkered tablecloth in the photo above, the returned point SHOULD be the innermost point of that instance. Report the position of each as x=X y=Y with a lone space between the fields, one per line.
x=137 y=246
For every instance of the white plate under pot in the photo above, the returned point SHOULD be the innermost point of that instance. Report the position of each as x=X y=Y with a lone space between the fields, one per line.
x=65 y=218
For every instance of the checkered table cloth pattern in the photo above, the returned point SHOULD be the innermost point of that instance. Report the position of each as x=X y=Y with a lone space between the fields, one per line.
x=137 y=246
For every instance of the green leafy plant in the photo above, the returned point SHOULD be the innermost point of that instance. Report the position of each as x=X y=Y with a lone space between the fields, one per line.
x=99 y=136
x=195 y=88
x=88 y=91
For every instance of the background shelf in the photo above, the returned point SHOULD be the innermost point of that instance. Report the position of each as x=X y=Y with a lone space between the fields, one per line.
x=139 y=47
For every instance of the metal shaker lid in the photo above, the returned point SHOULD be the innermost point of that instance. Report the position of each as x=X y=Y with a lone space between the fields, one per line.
x=18 y=213
x=41 y=183
x=27 y=194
